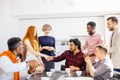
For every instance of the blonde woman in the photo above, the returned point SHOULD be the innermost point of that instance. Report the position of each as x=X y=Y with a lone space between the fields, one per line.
x=30 y=40
x=47 y=46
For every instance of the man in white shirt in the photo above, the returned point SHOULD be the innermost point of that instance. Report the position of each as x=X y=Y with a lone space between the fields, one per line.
x=9 y=62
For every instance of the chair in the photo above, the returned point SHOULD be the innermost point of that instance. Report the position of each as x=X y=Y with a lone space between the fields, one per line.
x=62 y=67
x=116 y=75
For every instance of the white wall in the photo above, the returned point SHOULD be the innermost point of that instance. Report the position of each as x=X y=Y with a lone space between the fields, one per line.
x=8 y=25
x=63 y=28
x=30 y=7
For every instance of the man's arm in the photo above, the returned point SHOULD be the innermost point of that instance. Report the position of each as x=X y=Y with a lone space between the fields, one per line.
x=91 y=69
x=99 y=70
x=73 y=68
x=101 y=40
x=7 y=66
x=58 y=58
x=85 y=46
x=89 y=66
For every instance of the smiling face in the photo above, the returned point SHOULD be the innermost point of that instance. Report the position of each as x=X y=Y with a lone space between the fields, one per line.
x=110 y=25
x=90 y=30
x=46 y=31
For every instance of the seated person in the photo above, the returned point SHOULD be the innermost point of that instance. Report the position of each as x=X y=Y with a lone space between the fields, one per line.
x=103 y=69
x=74 y=56
x=11 y=65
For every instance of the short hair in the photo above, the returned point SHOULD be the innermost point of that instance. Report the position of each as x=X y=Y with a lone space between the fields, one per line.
x=103 y=47
x=114 y=19
x=92 y=24
x=76 y=42
x=12 y=43
x=46 y=26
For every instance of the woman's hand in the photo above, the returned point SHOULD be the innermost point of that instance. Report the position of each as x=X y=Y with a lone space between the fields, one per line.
x=49 y=48
x=37 y=54
x=39 y=59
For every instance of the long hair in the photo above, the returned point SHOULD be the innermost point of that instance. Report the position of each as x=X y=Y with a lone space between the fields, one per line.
x=30 y=36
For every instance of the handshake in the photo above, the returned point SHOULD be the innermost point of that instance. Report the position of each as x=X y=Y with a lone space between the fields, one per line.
x=35 y=67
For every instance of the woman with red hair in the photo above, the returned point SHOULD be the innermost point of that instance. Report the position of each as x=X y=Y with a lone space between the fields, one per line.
x=30 y=40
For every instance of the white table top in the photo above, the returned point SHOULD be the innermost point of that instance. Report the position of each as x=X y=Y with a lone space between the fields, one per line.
x=74 y=78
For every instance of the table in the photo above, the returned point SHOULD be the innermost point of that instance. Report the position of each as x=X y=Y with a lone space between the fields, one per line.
x=61 y=75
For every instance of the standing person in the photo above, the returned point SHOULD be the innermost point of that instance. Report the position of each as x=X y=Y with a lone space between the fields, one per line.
x=92 y=40
x=10 y=63
x=47 y=46
x=30 y=40
x=112 y=25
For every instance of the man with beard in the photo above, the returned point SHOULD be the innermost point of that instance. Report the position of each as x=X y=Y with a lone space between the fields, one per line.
x=74 y=56
x=92 y=40
x=10 y=63
x=112 y=25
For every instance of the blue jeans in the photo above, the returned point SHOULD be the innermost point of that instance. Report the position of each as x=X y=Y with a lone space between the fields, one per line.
x=118 y=70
